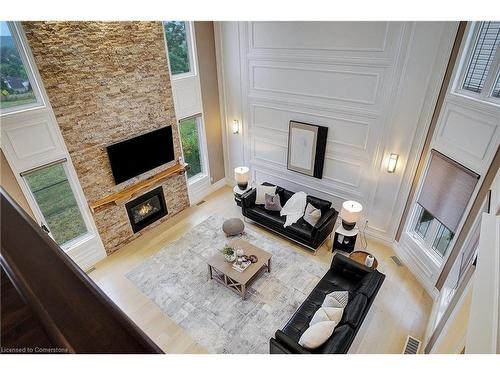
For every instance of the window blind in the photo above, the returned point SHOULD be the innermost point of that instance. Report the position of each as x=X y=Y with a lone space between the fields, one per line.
x=447 y=189
x=485 y=48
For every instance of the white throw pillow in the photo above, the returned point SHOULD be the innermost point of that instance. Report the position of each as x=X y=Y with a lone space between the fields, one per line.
x=317 y=334
x=336 y=299
x=262 y=190
x=312 y=214
x=327 y=314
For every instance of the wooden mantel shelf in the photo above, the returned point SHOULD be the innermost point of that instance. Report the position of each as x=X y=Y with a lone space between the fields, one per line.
x=132 y=191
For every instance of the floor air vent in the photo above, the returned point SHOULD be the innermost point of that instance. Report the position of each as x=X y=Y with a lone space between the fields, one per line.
x=396 y=260
x=200 y=203
x=412 y=345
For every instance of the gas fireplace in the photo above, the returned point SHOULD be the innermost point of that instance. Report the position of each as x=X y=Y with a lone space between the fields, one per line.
x=146 y=209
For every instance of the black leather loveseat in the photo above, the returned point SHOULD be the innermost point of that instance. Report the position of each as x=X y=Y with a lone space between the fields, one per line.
x=362 y=284
x=301 y=231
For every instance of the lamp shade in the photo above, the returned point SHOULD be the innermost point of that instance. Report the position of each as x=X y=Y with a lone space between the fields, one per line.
x=351 y=211
x=241 y=175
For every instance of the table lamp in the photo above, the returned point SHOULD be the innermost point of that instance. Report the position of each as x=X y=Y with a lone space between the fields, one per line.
x=241 y=175
x=350 y=214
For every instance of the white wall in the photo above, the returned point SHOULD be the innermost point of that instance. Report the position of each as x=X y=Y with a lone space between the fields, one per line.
x=468 y=131
x=373 y=84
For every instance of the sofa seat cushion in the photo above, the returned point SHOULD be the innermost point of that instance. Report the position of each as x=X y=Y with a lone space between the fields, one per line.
x=369 y=283
x=338 y=342
x=354 y=310
x=301 y=228
x=337 y=281
x=271 y=216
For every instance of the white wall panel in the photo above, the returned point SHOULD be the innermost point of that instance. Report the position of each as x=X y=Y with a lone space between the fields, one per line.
x=339 y=83
x=467 y=135
x=32 y=140
x=335 y=36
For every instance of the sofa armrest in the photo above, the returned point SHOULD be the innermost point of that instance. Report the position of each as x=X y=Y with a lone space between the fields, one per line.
x=325 y=219
x=341 y=263
x=288 y=344
x=248 y=199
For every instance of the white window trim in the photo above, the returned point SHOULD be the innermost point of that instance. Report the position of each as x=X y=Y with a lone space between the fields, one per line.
x=193 y=63
x=20 y=44
x=202 y=144
x=70 y=245
x=472 y=32
x=85 y=250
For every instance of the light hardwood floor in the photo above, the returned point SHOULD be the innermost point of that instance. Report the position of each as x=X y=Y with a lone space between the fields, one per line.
x=401 y=307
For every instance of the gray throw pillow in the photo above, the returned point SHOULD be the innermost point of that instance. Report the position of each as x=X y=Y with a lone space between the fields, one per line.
x=312 y=214
x=273 y=202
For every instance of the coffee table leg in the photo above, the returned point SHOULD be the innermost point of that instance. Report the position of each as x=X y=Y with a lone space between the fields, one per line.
x=210 y=271
x=243 y=292
x=269 y=265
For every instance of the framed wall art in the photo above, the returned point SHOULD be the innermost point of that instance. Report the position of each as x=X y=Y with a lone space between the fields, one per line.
x=306 y=148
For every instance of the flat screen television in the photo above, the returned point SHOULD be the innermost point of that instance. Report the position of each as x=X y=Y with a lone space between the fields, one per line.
x=140 y=154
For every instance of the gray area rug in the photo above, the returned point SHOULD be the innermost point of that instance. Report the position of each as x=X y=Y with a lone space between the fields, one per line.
x=176 y=279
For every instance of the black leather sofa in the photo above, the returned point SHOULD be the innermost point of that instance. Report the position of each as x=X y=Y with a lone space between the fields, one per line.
x=301 y=231
x=361 y=282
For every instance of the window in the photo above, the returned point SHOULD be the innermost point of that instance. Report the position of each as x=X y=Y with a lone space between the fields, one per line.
x=433 y=233
x=54 y=196
x=496 y=88
x=483 y=63
x=179 y=46
x=441 y=203
x=15 y=85
x=190 y=130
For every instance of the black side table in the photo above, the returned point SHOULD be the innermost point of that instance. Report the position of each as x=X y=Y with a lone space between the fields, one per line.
x=344 y=240
x=238 y=193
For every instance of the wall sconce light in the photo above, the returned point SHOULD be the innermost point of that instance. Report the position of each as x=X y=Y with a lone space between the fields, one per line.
x=236 y=126
x=393 y=161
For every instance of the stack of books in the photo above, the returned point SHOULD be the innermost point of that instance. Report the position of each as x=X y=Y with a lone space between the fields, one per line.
x=242 y=267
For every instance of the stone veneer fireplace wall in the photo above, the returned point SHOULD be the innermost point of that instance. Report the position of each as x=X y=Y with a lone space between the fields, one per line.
x=108 y=81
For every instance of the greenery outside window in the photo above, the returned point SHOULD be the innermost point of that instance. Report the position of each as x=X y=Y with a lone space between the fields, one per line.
x=179 y=47
x=56 y=201
x=190 y=130
x=16 y=91
x=431 y=231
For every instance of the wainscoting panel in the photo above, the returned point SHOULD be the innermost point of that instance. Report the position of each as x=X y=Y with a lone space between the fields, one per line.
x=344 y=130
x=340 y=40
x=345 y=83
x=33 y=142
x=468 y=135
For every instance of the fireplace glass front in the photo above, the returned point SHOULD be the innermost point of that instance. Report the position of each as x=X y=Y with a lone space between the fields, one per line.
x=146 y=209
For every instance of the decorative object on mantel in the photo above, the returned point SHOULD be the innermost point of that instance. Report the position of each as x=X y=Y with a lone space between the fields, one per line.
x=241 y=175
x=228 y=253
x=233 y=227
x=134 y=190
x=306 y=148
x=350 y=214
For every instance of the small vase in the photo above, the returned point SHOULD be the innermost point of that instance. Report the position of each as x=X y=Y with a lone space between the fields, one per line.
x=230 y=258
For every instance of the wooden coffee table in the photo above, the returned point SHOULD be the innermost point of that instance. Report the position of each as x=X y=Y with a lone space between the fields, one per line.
x=223 y=272
x=360 y=257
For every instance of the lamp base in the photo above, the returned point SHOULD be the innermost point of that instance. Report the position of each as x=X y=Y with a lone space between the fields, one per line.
x=348 y=226
x=243 y=186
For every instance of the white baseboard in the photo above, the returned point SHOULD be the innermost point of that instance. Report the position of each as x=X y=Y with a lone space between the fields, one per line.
x=415 y=267
x=204 y=188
